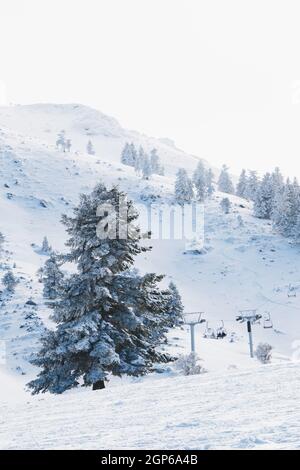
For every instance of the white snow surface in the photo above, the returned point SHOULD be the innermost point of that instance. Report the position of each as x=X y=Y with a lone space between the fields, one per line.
x=225 y=411
x=238 y=403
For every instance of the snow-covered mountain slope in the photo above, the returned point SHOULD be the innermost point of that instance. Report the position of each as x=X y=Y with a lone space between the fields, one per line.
x=244 y=410
x=244 y=265
x=42 y=122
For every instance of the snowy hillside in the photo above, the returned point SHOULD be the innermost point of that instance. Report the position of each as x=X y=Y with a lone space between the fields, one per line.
x=244 y=265
x=42 y=122
x=227 y=411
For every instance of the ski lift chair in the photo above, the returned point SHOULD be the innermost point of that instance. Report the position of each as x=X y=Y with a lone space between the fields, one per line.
x=291 y=291
x=267 y=321
x=209 y=332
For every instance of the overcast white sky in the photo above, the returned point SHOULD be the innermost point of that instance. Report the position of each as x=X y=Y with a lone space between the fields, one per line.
x=221 y=78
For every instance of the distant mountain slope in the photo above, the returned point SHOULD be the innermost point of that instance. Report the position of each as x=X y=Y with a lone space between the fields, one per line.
x=81 y=123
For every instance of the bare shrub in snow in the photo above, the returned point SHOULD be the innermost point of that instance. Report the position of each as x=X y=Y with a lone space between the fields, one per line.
x=264 y=353
x=189 y=364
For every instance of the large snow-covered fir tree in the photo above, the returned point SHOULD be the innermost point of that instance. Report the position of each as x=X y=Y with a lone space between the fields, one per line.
x=200 y=181
x=225 y=183
x=109 y=318
x=184 y=192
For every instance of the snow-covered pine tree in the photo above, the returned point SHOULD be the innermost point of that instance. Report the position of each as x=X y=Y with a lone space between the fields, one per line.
x=133 y=154
x=281 y=209
x=200 y=182
x=209 y=182
x=286 y=208
x=147 y=168
x=296 y=210
x=175 y=306
x=263 y=203
x=277 y=179
x=278 y=187
x=184 y=192
x=52 y=278
x=224 y=183
x=139 y=162
x=225 y=205
x=252 y=186
x=154 y=160
x=126 y=155
x=90 y=148
x=9 y=281
x=241 y=189
x=109 y=318
x=46 y=248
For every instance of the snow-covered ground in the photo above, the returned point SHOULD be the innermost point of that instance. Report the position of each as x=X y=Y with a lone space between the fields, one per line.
x=242 y=410
x=243 y=266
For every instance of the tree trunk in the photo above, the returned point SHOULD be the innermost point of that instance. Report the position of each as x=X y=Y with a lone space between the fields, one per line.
x=99 y=385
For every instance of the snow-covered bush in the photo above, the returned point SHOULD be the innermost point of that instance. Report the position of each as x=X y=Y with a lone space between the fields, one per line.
x=189 y=364
x=90 y=148
x=225 y=205
x=264 y=352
